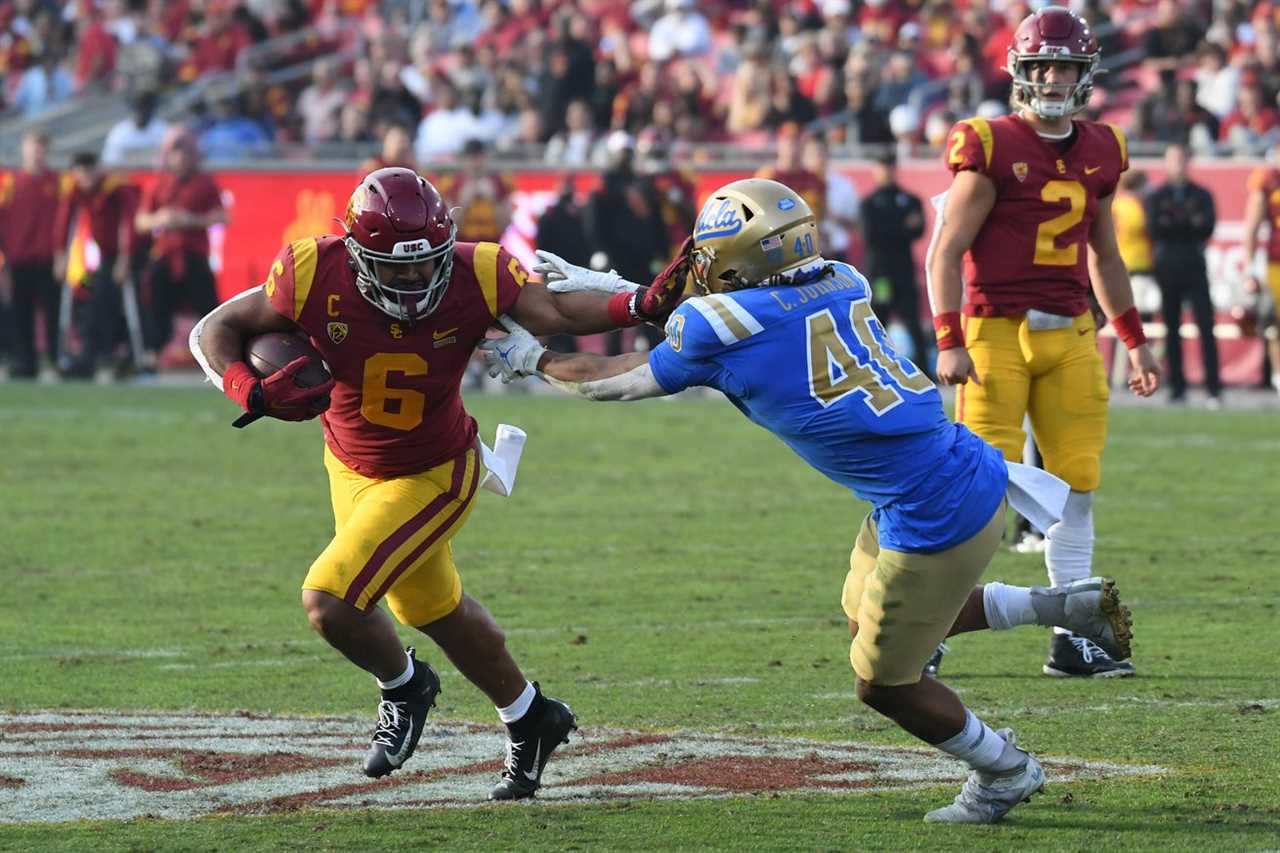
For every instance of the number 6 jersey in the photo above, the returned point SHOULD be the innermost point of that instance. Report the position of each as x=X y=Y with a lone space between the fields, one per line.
x=812 y=364
x=396 y=404
x=1031 y=251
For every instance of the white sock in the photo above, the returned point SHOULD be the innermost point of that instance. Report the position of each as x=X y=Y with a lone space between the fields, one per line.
x=520 y=707
x=402 y=679
x=1068 y=553
x=981 y=748
x=1007 y=606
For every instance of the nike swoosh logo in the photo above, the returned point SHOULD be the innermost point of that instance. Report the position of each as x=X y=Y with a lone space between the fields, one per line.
x=532 y=775
x=1090 y=170
x=435 y=336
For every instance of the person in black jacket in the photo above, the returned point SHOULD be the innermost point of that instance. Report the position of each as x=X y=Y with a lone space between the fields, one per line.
x=562 y=231
x=893 y=219
x=624 y=222
x=1180 y=219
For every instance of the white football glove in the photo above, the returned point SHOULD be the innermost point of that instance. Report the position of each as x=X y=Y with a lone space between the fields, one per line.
x=564 y=277
x=513 y=356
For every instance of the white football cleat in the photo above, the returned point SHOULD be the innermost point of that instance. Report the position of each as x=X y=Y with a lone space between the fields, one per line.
x=1092 y=608
x=987 y=798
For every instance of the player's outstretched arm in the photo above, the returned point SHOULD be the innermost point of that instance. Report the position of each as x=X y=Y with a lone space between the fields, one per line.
x=970 y=199
x=577 y=301
x=594 y=377
x=1111 y=285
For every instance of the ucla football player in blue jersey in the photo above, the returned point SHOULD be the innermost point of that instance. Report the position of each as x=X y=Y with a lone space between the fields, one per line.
x=791 y=340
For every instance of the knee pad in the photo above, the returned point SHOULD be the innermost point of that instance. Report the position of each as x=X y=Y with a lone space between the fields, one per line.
x=1082 y=472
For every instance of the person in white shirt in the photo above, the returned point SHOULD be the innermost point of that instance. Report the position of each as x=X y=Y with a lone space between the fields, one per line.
x=683 y=31
x=573 y=145
x=133 y=137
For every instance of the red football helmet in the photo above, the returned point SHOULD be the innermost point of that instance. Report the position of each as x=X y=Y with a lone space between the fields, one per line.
x=1053 y=34
x=396 y=217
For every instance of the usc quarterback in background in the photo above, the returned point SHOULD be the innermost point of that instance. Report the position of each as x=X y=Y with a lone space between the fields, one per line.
x=396 y=307
x=1025 y=231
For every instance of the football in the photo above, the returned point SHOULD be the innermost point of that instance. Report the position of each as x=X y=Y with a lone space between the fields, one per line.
x=270 y=352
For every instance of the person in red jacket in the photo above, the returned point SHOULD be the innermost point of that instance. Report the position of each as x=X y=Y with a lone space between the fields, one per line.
x=109 y=201
x=28 y=201
x=178 y=212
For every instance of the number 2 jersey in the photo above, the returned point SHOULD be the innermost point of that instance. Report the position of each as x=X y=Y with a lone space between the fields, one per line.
x=396 y=406
x=1032 y=250
x=811 y=363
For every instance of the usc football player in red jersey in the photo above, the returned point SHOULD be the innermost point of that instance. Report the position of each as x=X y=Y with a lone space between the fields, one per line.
x=1026 y=230
x=396 y=307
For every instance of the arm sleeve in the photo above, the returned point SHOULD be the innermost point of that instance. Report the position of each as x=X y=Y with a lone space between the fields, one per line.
x=281 y=286
x=970 y=146
x=688 y=355
x=1123 y=145
x=511 y=280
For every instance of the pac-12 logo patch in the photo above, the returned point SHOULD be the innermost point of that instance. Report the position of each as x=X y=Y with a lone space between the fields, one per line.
x=337 y=332
x=1020 y=171
x=719 y=218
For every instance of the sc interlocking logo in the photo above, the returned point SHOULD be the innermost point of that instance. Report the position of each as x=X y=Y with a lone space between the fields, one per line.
x=111 y=766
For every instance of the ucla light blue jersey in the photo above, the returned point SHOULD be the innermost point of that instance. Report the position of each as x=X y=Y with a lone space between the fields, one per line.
x=812 y=364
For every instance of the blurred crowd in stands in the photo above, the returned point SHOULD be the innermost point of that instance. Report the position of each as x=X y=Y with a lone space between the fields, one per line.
x=554 y=79
x=630 y=89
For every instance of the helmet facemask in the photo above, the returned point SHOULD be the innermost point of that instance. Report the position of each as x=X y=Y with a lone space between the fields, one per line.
x=1030 y=93
x=403 y=303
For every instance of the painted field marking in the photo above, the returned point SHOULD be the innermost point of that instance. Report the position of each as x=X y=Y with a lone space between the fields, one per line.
x=61 y=766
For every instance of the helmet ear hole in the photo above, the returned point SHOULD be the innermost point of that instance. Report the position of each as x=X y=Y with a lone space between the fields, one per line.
x=747 y=213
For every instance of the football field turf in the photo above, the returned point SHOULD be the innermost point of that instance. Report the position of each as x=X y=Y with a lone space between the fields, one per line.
x=670 y=570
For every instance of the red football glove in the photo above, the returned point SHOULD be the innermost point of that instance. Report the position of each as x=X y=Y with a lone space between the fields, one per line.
x=662 y=296
x=278 y=395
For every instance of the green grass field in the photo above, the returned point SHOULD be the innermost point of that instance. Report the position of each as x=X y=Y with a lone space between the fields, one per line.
x=150 y=558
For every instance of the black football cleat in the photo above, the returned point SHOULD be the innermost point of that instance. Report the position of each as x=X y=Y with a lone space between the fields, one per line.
x=522 y=774
x=401 y=715
x=1074 y=656
x=935 y=660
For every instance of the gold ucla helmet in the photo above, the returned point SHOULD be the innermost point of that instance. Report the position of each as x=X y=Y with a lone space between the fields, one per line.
x=750 y=233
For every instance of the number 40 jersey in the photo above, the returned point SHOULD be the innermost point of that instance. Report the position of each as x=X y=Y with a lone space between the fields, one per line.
x=811 y=363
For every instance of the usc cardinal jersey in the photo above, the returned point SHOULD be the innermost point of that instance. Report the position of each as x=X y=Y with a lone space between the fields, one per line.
x=396 y=406
x=1032 y=249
